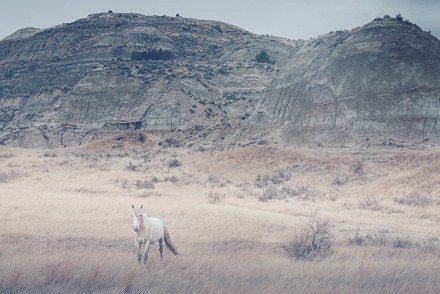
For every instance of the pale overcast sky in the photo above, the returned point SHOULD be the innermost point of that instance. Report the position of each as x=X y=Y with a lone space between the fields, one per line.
x=292 y=19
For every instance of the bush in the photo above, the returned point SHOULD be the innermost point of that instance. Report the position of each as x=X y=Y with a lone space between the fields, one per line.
x=144 y=184
x=269 y=194
x=7 y=177
x=215 y=197
x=279 y=177
x=148 y=194
x=399 y=17
x=263 y=57
x=402 y=243
x=132 y=167
x=358 y=168
x=152 y=54
x=170 y=143
x=124 y=183
x=300 y=191
x=141 y=138
x=340 y=181
x=311 y=242
x=261 y=181
x=377 y=239
x=171 y=179
x=415 y=199
x=370 y=203
x=174 y=163
x=49 y=154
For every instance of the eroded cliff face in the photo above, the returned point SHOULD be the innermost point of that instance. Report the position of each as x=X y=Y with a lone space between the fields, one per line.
x=378 y=80
x=199 y=81
x=110 y=72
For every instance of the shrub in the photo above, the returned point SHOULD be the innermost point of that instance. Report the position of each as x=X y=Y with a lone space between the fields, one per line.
x=358 y=168
x=370 y=203
x=132 y=167
x=171 y=179
x=377 y=239
x=84 y=190
x=7 y=177
x=174 y=163
x=311 y=242
x=215 y=197
x=301 y=191
x=402 y=243
x=263 y=57
x=144 y=184
x=269 y=194
x=147 y=194
x=415 y=199
x=155 y=179
x=170 y=143
x=279 y=177
x=261 y=181
x=306 y=192
x=340 y=181
x=218 y=28
x=399 y=17
x=152 y=54
x=124 y=183
x=141 y=138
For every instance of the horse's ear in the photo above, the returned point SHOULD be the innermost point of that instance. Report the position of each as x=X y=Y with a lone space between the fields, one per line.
x=132 y=206
x=142 y=206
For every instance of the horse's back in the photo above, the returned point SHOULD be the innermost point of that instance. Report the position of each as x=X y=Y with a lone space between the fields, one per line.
x=157 y=228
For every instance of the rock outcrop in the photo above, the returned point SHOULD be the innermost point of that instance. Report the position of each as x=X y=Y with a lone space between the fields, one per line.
x=200 y=81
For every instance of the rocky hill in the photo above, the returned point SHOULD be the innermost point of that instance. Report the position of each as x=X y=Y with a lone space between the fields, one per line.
x=201 y=81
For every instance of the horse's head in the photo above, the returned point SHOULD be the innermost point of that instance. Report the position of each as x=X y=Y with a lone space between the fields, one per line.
x=136 y=215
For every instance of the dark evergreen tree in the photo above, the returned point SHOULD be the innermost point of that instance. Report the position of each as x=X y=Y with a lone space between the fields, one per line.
x=263 y=57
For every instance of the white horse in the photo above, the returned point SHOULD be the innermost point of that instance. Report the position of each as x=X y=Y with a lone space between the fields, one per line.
x=147 y=231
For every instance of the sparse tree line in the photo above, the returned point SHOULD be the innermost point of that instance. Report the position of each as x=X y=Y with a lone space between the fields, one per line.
x=398 y=17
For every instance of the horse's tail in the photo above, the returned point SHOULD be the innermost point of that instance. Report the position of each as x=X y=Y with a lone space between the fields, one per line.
x=167 y=240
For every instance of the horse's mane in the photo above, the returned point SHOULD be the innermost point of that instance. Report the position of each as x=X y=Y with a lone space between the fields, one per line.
x=138 y=210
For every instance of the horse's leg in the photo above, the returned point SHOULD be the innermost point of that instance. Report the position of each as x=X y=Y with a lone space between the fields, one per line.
x=139 y=254
x=146 y=249
x=160 y=247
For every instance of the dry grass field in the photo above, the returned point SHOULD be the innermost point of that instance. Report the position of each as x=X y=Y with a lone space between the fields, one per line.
x=256 y=219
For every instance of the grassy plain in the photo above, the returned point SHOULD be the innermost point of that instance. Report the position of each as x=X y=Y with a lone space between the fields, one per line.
x=65 y=223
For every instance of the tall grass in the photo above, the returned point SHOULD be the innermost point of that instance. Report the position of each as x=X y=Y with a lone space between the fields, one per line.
x=348 y=270
x=65 y=227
